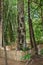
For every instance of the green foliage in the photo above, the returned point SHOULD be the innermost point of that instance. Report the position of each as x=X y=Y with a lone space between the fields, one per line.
x=41 y=52
x=25 y=49
x=26 y=57
x=35 y=13
x=10 y=19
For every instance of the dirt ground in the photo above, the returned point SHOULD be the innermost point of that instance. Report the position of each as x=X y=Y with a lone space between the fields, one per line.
x=10 y=62
x=35 y=61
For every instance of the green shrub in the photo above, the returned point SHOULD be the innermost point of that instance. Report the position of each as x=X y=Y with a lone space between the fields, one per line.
x=41 y=51
x=26 y=57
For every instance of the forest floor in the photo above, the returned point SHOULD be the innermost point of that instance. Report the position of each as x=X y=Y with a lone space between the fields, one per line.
x=35 y=61
x=11 y=62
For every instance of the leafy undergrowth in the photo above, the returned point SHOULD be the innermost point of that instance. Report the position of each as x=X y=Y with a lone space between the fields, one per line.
x=41 y=52
x=26 y=57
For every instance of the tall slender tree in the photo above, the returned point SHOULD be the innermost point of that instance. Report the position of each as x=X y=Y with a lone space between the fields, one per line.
x=41 y=5
x=3 y=41
x=21 y=25
x=0 y=10
x=32 y=38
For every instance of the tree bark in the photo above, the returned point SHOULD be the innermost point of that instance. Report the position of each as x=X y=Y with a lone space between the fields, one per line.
x=21 y=25
x=3 y=41
x=32 y=38
x=0 y=11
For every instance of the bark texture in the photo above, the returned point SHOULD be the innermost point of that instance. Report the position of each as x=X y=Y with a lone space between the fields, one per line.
x=21 y=25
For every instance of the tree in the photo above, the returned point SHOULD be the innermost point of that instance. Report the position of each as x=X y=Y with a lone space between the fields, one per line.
x=32 y=38
x=41 y=6
x=21 y=25
x=0 y=10
x=3 y=41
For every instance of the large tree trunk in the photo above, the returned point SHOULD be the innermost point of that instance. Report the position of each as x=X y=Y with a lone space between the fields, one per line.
x=21 y=25
x=32 y=38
